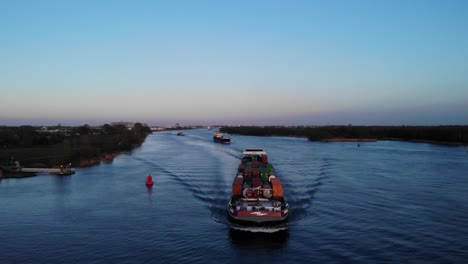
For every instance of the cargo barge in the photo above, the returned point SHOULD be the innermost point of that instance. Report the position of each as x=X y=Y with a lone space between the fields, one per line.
x=257 y=193
x=221 y=138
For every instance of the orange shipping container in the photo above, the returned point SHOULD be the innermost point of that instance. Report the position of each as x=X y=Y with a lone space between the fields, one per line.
x=277 y=188
x=238 y=180
x=237 y=186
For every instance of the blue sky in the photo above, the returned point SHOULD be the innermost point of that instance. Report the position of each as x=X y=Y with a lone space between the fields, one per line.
x=234 y=62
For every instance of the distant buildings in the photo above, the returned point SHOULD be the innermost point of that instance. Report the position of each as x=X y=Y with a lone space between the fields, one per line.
x=52 y=130
x=126 y=124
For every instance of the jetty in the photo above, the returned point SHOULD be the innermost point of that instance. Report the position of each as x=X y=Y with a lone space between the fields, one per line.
x=16 y=167
x=59 y=171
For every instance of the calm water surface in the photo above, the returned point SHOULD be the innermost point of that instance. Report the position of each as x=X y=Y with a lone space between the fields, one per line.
x=380 y=202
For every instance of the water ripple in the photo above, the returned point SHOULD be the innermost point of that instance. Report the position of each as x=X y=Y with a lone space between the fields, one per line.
x=379 y=203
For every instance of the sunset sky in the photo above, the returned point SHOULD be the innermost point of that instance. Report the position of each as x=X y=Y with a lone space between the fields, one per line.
x=234 y=62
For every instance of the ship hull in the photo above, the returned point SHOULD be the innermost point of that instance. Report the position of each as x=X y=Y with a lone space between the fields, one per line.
x=257 y=193
x=222 y=140
x=256 y=217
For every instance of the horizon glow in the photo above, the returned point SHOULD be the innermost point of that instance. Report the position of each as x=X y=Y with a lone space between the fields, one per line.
x=243 y=62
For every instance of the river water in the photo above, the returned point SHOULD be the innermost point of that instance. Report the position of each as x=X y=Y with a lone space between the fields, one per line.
x=374 y=203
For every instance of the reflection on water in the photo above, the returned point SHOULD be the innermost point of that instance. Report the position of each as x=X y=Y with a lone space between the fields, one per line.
x=259 y=238
x=150 y=192
x=62 y=184
x=381 y=202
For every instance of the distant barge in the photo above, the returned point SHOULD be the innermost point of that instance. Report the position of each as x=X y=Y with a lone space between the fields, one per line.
x=221 y=138
x=16 y=170
x=257 y=194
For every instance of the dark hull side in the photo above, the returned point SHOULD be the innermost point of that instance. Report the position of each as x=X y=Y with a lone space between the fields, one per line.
x=256 y=217
x=258 y=221
x=222 y=140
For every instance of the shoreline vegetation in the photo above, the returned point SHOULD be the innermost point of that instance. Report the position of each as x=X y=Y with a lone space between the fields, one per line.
x=53 y=147
x=84 y=146
x=441 y=135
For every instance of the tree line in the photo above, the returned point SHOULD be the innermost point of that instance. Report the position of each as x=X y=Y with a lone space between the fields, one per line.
x=65 y=145
x=26 y=136
x=452 y=135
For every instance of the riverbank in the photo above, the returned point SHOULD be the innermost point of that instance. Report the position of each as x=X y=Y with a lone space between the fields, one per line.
x=95 y=161
x=80 y=147
x=108 y=158
x=440 y=135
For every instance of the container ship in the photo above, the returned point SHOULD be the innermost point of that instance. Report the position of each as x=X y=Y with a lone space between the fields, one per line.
x=221 y=138
x=257 y=193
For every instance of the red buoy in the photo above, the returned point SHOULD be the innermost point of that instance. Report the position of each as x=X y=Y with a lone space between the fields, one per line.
x=149 y=181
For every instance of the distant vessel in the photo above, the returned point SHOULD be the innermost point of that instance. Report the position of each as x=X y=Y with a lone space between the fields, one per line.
x=209 y=128
x=257 y=194
x=16 y=169
x=221 y=138
x=180 y=133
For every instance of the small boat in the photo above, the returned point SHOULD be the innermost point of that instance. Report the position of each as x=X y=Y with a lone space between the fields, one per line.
x=180 y=133
x=257 y=193
x=149 y=181
x=221 y=138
